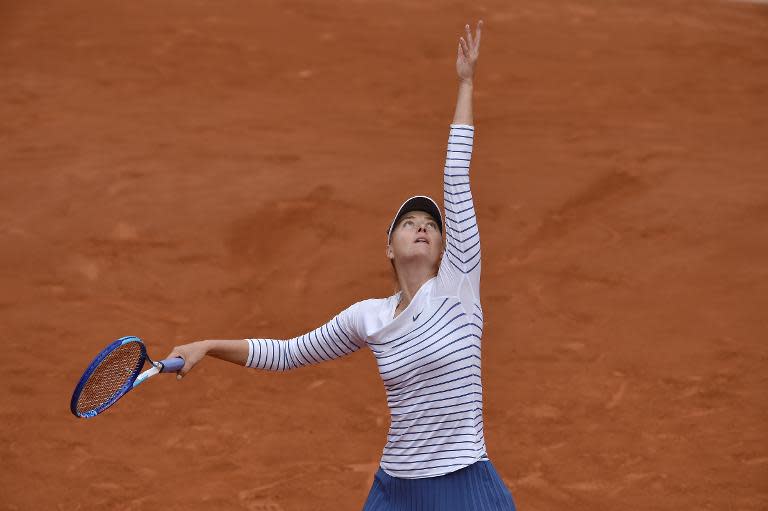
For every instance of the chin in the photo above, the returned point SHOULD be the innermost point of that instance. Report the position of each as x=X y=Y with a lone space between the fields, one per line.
x=421 y=256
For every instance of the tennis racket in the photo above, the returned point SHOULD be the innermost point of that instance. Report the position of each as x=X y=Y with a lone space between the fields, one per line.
x=113 y=373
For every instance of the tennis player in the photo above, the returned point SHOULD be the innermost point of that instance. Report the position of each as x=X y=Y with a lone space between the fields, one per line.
x=426 y=339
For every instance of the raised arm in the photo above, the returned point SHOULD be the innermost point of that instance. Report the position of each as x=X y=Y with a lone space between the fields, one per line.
x=461 y=262
x=466 y=60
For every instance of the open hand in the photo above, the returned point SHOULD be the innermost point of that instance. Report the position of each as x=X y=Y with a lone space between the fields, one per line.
x=468 y=51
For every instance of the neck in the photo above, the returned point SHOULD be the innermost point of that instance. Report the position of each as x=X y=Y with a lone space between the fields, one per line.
x=411 y=279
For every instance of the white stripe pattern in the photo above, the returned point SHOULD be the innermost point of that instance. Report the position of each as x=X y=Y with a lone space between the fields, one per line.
x=429 y=355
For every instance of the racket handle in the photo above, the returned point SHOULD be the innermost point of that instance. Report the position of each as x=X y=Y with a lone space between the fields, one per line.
x=171 y=365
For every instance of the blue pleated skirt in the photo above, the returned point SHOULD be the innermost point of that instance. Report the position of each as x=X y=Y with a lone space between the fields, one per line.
x=477 y=487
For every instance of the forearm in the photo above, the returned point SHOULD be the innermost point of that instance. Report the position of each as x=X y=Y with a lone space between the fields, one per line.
x=463 y=113
x=235 y=351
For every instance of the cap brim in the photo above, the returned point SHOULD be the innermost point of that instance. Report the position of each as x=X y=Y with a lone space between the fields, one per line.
x=417 y=203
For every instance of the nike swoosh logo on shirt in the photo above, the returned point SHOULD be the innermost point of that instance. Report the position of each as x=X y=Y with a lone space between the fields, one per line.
x=416 y=316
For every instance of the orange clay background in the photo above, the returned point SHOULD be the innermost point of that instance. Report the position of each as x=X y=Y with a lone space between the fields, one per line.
x=183 y=170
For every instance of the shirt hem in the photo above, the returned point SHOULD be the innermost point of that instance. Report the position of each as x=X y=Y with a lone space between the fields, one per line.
x=438 y=472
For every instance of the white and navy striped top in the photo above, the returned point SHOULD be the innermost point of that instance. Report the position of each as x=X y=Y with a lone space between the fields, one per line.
x=429 y=355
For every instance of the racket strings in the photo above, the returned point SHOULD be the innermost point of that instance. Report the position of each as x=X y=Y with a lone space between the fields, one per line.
x=110 y=376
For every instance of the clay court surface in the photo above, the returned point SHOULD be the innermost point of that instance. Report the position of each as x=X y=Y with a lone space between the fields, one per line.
x=196 y=170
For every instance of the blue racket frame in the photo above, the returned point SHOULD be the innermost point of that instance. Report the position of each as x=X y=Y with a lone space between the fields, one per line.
x=136 y=378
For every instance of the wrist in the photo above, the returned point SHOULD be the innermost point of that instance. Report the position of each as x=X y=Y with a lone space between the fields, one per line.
x=465 y=82
x=206 y=346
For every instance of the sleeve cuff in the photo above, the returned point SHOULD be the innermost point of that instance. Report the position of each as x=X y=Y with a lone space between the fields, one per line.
x=468 y=126
x=250 y=353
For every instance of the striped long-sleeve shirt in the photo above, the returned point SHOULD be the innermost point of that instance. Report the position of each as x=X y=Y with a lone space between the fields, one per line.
x=429 y=355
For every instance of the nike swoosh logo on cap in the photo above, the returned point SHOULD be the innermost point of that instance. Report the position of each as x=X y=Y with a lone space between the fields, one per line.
x=416 y=316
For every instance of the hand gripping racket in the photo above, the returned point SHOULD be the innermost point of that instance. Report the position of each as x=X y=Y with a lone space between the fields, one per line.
x=113 y=373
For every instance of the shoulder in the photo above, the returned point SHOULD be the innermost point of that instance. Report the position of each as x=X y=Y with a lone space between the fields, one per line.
x=369 y=306
x=364 y=316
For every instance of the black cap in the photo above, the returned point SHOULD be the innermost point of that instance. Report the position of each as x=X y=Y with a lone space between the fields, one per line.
x=417 y=203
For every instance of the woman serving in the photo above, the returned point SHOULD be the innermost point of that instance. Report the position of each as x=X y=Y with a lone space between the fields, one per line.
x=426 y=339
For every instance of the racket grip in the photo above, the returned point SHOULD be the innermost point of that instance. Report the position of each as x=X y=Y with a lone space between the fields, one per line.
x=171 y=365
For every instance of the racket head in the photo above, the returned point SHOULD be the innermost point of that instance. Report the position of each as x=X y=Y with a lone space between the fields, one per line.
x=109 y=376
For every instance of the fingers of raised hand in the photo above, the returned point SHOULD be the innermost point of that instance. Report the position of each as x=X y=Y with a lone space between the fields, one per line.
x=473 y=41
x=469 y=45
x=478 y=34
x=463 y=48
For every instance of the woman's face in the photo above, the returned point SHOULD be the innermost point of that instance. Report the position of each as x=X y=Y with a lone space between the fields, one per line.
x=416 y=238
